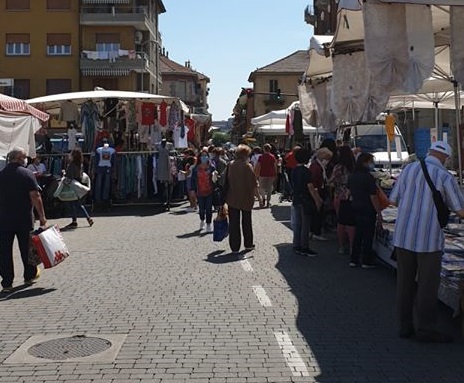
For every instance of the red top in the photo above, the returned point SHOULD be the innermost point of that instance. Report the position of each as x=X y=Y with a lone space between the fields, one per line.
x=317 y=175
x=268 y=165
x=290 y=161
x=204 y=182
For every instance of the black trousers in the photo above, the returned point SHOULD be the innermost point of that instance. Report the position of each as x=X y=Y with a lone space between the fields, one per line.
x=235 y=237
x=364 y=237
x=6 y=255
x=422 y=295
x=317 y=221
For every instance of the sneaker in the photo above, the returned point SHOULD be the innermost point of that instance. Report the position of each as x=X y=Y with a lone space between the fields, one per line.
x=308 y=253
x=8 y=289
x=90 y=221
x=368 y=266
x=31 y=281
x=190 y=209
x=209 y=228
x=249 y=248
x=319 y=237
x=433 y=337
x=202 y=225
x=297 y=250
x=354 y=264
x=72 y=225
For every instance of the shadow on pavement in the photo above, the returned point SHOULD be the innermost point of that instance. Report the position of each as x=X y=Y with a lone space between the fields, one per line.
x=281 y=213
x=347 y=317
x=218 y=257
x=22 y=292
x=195 y=233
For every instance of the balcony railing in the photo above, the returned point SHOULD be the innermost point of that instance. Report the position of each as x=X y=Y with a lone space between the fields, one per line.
x=114 y=14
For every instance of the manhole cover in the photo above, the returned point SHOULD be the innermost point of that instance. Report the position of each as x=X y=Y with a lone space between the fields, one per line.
x=68 y=348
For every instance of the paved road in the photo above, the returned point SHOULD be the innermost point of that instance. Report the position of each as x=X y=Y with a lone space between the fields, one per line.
x=189 y=311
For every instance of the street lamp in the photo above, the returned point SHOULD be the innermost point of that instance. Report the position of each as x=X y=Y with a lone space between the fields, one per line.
x=143 y=61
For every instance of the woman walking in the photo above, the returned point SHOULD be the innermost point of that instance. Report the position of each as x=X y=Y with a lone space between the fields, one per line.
x=367 y=210
x=74 y=172
x=240 y=196
x=266 y=171
x=342 y=198
x=305 y=201
x=202 y=184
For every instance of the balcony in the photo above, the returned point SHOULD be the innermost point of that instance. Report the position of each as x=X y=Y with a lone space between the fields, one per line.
x=94 y=63
x=117 y=15
x=274 y=100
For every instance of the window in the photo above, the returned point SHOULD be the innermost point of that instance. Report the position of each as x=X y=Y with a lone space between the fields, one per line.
x=17 y=5
x=58 y=44
x=20 y=89
x=58 y=4
x=56 y=86
x=107 y=42
x=18 y=44
x=273 y=86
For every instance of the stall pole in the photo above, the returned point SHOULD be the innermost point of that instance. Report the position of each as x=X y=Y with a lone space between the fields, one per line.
x=458 y=127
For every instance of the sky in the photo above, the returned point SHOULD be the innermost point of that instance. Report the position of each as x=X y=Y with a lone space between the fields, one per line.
x=227 y=40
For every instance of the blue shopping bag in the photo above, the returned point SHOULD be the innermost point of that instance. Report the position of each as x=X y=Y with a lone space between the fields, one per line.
x=220 y=229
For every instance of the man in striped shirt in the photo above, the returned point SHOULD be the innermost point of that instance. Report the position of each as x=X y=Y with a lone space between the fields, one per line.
x=419 y=242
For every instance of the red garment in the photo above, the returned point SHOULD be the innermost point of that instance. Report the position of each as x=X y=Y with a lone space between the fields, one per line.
x=290 y=161
x=148 y=113
x=191 y=125
x=205 y=187
x=317 y=175
x=163 y=115
x=268 y=165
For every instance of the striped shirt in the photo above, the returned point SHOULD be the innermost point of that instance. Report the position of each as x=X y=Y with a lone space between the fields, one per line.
x=417 y=228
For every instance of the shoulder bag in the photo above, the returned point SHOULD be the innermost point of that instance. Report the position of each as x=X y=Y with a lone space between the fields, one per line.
x=442 y=210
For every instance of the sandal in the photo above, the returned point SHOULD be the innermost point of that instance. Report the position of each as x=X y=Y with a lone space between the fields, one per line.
x=90 y=221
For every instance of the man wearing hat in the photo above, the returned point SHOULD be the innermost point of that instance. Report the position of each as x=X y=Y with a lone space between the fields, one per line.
x=419 y=242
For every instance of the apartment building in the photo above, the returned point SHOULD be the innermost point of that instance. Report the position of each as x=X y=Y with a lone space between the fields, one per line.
x=56 y=46
x=323 y=16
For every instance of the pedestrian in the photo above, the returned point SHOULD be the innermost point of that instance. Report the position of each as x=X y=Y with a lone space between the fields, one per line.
x=203 y=185
x=305 y=201
x=266 y=171
x=19 y=193
x=256 y=153
x=419 y=242
x=289 y=162
x=74 y=171
x=342 y=198
x=319 y=181
x=188 y=166
x=367 y=211
x=240 y=191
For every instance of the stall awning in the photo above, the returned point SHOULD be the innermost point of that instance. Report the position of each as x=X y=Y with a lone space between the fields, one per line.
x=106 y=72
x=14 y=105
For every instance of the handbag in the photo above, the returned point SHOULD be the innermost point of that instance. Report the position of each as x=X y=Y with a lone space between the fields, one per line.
x=220 y=226
x=33 y=257
x=442 y=210
x=50 y=246
x=383 y=199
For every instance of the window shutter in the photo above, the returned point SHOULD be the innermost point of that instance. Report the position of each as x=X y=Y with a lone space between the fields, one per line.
x=17 y=4
x=58 y=4
x=107 y=38
x=21 y=38
x=58 y=39
x=56 y=86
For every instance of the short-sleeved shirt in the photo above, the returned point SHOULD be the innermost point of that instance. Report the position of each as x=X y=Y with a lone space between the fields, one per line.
x=16 y=182
x=417 y=228
x=268 y=164
x=362 y=186
x=205 y=186
x=301 y=177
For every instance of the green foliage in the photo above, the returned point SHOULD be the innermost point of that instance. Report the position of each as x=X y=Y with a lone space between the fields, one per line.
x=220 y=138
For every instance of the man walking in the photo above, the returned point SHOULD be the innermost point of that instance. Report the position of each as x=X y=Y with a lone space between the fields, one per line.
x=419 y=242
x=19 y=192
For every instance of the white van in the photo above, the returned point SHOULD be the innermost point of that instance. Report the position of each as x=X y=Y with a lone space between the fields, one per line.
x=372 y=138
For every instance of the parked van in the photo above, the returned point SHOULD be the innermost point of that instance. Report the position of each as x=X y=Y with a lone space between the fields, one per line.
x=372 y=138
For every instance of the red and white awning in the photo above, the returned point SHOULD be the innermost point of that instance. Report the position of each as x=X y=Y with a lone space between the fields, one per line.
x=14 y=105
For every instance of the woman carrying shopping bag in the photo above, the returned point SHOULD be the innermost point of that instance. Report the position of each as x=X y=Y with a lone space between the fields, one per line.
x=73 y=174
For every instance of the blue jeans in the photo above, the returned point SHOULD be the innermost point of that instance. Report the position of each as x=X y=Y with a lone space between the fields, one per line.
x=301 y=225
x=205 y=207
x=75 y=206
x=102 y=184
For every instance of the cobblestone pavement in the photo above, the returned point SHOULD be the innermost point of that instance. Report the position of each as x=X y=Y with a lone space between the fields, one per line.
x=193 y=312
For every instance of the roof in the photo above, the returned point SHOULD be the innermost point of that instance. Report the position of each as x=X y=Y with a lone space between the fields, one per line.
x=167 y=66
x=297 y=63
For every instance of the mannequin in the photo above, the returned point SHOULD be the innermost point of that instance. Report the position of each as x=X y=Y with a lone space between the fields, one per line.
x=163 y=169
x=89 y=119
x=72 y=139
x=104 y=162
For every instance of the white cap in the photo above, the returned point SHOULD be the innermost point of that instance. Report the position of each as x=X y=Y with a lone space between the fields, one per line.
x=442 y=147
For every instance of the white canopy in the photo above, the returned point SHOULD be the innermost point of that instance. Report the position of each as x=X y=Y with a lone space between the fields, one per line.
x=279 y=130
x=53 y=101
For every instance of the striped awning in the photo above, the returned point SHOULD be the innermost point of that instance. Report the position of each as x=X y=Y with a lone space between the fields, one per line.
x=106 y=1
x=105 y=72
x=15 y=105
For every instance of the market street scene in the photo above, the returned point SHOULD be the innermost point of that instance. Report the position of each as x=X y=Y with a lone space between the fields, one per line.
x=238 y=194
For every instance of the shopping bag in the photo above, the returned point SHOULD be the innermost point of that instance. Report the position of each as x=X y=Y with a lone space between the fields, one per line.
x=50 y=246
x=33 y=257
x=64 y=192
x=78 y=188
x=220 y=226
